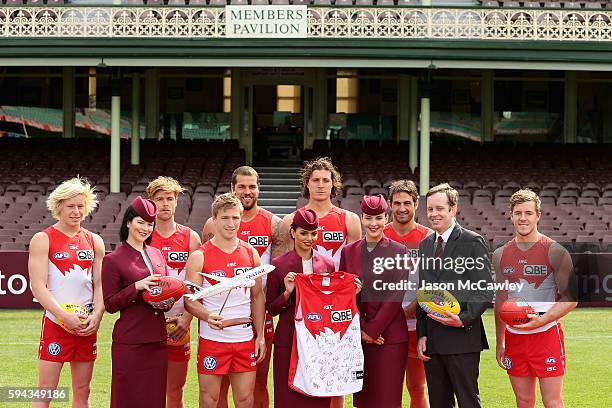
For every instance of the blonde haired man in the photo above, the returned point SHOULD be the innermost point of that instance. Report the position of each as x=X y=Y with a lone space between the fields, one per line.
x=234 y=350
x=64 y=266
x=176 y=242
x=267 y=234
x=545 y=269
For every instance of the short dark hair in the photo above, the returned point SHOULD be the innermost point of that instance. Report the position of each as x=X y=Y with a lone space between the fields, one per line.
x=451 y=194
x=244 y=171
x=129 y=215
x=403 y=186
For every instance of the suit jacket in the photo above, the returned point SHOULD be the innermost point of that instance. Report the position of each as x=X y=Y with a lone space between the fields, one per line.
x=379 y=317
x=139 y=322
x=442 y=339
x=275 y=287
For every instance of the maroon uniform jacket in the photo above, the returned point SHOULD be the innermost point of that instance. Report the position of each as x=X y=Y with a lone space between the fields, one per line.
x=275 y=287
x=285 y=328
x=139 y=323
x=378 y=318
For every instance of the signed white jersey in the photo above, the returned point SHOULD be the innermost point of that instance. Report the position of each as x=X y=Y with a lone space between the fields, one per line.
x=326 y=357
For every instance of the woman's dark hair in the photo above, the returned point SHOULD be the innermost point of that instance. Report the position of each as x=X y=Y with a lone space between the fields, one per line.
x=129 y=215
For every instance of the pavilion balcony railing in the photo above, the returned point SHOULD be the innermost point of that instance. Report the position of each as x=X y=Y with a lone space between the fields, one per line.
x=429 y=23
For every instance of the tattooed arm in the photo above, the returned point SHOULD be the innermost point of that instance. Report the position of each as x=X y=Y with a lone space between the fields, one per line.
x=279 y=237
x=207 y=231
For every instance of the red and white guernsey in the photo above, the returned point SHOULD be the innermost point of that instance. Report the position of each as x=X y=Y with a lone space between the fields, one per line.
x=70 y=278
x=326 y=357
x=219 y=263
x=411 y=240
x=258 y=233
x=332 y=235
x=175 y=249
x=531 y=267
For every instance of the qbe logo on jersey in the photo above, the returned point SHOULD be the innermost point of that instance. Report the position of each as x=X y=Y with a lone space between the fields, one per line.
x=258 y=241
x=333 y=236
x=243 y=269
x=178 y=256
x=85 y=255
x=535 y=270
x=339 y=316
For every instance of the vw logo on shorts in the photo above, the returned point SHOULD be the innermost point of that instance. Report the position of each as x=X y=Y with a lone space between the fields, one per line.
x=54 y=349
x=209 y=363
x=507 y=362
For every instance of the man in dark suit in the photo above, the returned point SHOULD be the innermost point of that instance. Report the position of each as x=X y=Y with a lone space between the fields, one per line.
x=451 y=345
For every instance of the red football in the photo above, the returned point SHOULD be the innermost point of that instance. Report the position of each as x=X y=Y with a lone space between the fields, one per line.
x=168 y=291
x=514 y=311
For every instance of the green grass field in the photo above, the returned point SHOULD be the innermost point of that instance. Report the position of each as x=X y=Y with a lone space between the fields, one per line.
x=587 y=384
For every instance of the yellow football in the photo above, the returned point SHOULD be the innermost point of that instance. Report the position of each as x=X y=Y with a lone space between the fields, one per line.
x=80 y=311
x=437 y=302
x=170 y=328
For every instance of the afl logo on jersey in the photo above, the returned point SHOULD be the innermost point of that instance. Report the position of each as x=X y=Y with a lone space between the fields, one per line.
x=178 y=256
x=535 y=270
x=61 y=255
x=85 y=255
x=508 y=270
x=333 y=236
x=218 y=272
x=54 y=349
x=258 y=241
x=313 y=317
x=209 y=363
x=339 y=316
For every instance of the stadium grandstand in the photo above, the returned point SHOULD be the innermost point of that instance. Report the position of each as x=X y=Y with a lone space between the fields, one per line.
x=490 y=95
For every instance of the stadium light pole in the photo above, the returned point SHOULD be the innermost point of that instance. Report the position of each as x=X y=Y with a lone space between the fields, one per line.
x=425 y=134
x=135 y=156
x=486 y=105
x=115 y=177
x=68 y=102
x=570 y=111
x=414 y=112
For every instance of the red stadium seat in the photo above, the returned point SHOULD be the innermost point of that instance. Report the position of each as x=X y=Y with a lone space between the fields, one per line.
x=13 y=246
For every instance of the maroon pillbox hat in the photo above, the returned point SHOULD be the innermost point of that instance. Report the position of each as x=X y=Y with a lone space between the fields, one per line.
x=374 y=205
x=306 y=219
x=146 y=209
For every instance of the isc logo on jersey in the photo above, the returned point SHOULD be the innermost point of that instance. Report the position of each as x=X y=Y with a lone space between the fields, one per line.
x=178 y=256
x=241 y=270
x=85 y=255
x=339 y=316
x=258 y=241
x=333 y=236
x=535 y=270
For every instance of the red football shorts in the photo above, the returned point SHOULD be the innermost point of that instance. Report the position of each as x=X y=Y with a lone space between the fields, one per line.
x=179 y=353
x=56 y=344
x=269 y=327
x=535 y=355
x=217 y=358
x=412 y=344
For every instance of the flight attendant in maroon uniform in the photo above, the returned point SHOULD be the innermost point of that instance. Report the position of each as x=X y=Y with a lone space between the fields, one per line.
x=280 y=300
x=383 y=325
x=139 y=351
